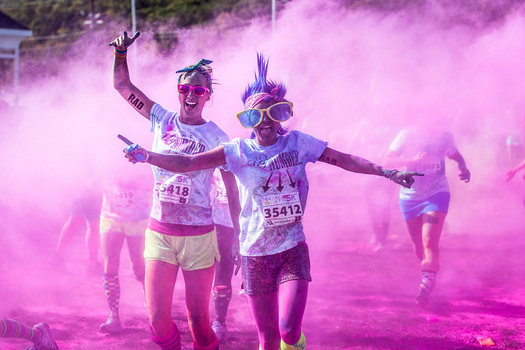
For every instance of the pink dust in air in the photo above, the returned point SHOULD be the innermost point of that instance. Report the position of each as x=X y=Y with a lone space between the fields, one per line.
x=356 y=78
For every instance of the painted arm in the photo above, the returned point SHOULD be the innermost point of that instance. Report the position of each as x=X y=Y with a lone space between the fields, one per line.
x=350 y=162
x=464 y=173
x=514 y=170
x=177 y=163
x=356 y=164
x=121 y=80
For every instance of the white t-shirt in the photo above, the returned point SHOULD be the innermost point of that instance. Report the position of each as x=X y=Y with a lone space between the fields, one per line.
x=124 y=202
x=273 y=189
x=182 y=199
x=437 y=145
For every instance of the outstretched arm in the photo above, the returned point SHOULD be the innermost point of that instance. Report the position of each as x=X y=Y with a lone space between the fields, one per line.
x=178 y=163
x=121 y=80
x=350 y=162
x=464 y=173
x=356 y=164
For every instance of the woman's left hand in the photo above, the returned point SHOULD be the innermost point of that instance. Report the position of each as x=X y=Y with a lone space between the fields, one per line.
x=464 y=175
x=403 y=178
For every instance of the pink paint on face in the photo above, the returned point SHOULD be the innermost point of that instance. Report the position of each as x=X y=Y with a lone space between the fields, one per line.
x=191 y=105
x=266 y=131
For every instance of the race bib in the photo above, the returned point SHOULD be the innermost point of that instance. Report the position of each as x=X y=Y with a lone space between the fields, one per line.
x=176 y=189
x=430 y=165
x=121 y=198
x=281 y=209
x=220 y=196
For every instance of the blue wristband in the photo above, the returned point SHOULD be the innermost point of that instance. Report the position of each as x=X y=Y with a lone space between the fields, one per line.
x=389 y=173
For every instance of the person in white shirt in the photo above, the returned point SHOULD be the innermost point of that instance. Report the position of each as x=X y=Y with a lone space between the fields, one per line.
x=270 y=172
x=425 y=205
x=180 y=233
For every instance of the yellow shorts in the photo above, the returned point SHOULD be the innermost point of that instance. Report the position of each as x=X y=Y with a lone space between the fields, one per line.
x=188 y=252
x=128 y=228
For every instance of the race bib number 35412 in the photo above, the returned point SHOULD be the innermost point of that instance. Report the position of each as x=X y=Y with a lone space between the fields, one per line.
x=176 y=189
x=281 y=209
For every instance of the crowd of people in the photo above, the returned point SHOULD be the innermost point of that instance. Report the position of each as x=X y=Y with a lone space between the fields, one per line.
x=219 y=204
x=267 y=198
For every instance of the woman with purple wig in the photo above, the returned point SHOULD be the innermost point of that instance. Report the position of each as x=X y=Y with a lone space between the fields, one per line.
x=270 y=172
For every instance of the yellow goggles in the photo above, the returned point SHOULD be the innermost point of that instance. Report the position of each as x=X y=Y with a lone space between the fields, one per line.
x=279 y=112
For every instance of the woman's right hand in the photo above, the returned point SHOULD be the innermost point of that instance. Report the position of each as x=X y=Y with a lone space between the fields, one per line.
x=136 y=154
x=511 y=174
x=122 y=42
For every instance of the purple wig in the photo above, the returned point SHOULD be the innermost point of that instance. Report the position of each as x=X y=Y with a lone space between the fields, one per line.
x=263 y=85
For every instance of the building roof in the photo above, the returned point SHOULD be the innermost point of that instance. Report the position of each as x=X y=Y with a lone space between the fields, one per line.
x=7 y=22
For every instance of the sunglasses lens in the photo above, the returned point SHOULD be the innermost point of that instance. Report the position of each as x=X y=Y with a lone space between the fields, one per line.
x=281 y=112
x=199 y=90
x=250 y=118
x=184 y=89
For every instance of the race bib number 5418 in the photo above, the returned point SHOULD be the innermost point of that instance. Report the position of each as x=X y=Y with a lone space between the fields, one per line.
x=282 y=209
x=176 y=189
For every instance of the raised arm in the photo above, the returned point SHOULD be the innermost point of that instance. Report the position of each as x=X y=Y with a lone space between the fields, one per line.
x=360 y=165
x=121 y=80
x=464 y=173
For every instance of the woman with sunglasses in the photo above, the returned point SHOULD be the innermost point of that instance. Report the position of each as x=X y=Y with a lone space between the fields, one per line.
x=181 y=233
x=270 y=171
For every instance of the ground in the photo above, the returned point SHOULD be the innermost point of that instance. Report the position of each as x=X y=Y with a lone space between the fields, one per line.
x=359 y=299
